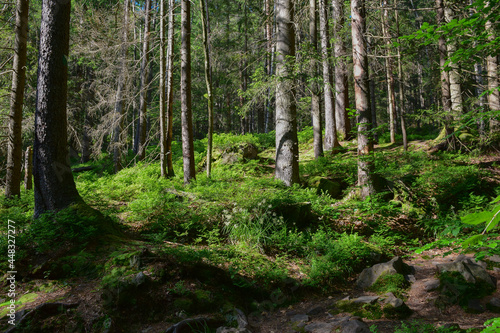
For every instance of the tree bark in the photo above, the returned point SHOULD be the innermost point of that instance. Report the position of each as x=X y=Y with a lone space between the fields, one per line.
x=163 y=116
x=341 y=83
x=208 y=81
x=170 y=89
x=401 y=86
x=186 y=111
x=331 y=140
x=455 y=86
x=391 y=104
x=143 y=108
x=54 y=184
x=28 y=169
x=362 y=97
x=287 y=148
x=494 y=94
x=119 y=113
x=15 y=143
x=315 y=100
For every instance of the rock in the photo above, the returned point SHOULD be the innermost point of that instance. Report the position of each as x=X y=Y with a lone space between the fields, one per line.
x=370 y=275
x=494 y=258
x=411 y=278
x=191 y=324
x=315 y=311
x=229 y=158
x=140 y=279
x=355 y=326
x=366 y=299
x=241 y=319
x=494 y=305
x=470 y=271
x=300 y=318
x=319 y=327
x=333 y=189
x=474 y=306
x=249 y=151
x=431 y=285
x=395 y=307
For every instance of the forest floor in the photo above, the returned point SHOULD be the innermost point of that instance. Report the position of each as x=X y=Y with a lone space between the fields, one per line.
x=183 y=257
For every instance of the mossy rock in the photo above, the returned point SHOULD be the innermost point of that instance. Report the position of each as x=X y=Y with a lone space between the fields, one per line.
x=363 y=310
x=399 y=312
x=455 y=289
x=390 y=283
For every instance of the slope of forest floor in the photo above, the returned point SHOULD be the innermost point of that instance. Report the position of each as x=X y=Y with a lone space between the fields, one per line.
x=242 y=240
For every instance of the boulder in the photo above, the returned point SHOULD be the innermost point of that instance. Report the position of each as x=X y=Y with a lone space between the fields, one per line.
x=370 y=275
x=355 y=326
x=192 y=324
x=471 y=271
x=494 y=305
x=431 y=285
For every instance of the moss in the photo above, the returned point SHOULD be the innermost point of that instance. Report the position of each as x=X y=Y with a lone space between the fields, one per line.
x=396 y=313
x=369 y=311
x=455 y=290
x=394 y=283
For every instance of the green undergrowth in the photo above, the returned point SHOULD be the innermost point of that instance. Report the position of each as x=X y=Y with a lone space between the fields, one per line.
x=393 y=283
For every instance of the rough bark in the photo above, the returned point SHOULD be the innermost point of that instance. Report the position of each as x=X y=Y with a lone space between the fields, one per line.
x=143 y=108
x=208 y=81
x=269 y=60
x=401 y=86
x=315 y=100
x=28 y=169
x=54 y=184
x=331 y=140
x=186 y=111
x=119 y=113
x=170 y=90
x=362 y=97
x=14 y=142
x=455 y=86
x=341 y=84
x=287 y=148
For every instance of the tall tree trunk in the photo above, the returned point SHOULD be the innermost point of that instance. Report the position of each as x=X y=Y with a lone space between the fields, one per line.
x=143 y=108
x=208 y=81
x=494 y=94
x=401 y=85
x=331 y=140
x=287 y=148
x=455 y=86
x=391 y=104
x=54 y=184
x=315 y=100
x=186 y=111
x=28 y=169
x=119 y=111
x=362 y=97
x=15 y=143
x=170 y=90
x=269 y=60
x=445 y=78
x=163 y=97
x=341 y=83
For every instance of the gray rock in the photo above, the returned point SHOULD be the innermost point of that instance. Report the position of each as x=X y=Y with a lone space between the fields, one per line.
x=140 y=279
x=232 y=330
x=472 y=272
x=431 y=285
x=474 y=306
x=394 y=301
x=494 y=305
x=411 y=278
x=189 y=325
x=319 y=327
x=315 y=311
x=229 y=158
x=355 y=326
x=366 y=299
x=300 y=318
x=370 y=275
x=241 y=319
x=494 y=258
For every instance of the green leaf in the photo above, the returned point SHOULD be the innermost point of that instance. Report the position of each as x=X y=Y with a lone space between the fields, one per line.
x=477 y=218
x=496 y=200
x=495 y=219
x=472 y=241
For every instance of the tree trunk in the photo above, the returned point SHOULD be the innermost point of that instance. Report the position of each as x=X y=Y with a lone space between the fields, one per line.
x=341 y=84
x=391 y=104
x=455 y=86
x=163 y=116
x=401 y=86
x=15 y=143
x=362 y=97
x=54 y=184
x=494 y=94
x=315 y=100
x=143 y=108
x=287 y=148
x=28 y=169
x=331 y=140
x=170 y=89
x=186 y=111
x=119 y=113
x=269 y=60
x=208 y=81
x=445 y=78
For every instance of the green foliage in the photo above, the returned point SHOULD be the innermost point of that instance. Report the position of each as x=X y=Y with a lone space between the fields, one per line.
x=369 y=311
x=492 y=326
x=455 y=290
x=421 y=327
x=394 y=283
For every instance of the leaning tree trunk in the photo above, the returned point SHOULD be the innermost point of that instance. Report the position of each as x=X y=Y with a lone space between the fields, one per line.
x=208 y=81
x=143 y=109
x=362 y=97
x=54 y=184
x=341 y=84
x=287 y=146
x=15 y=143
x=315 y=100
x=331 y=140
x=119 y=113
x=186 y=112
